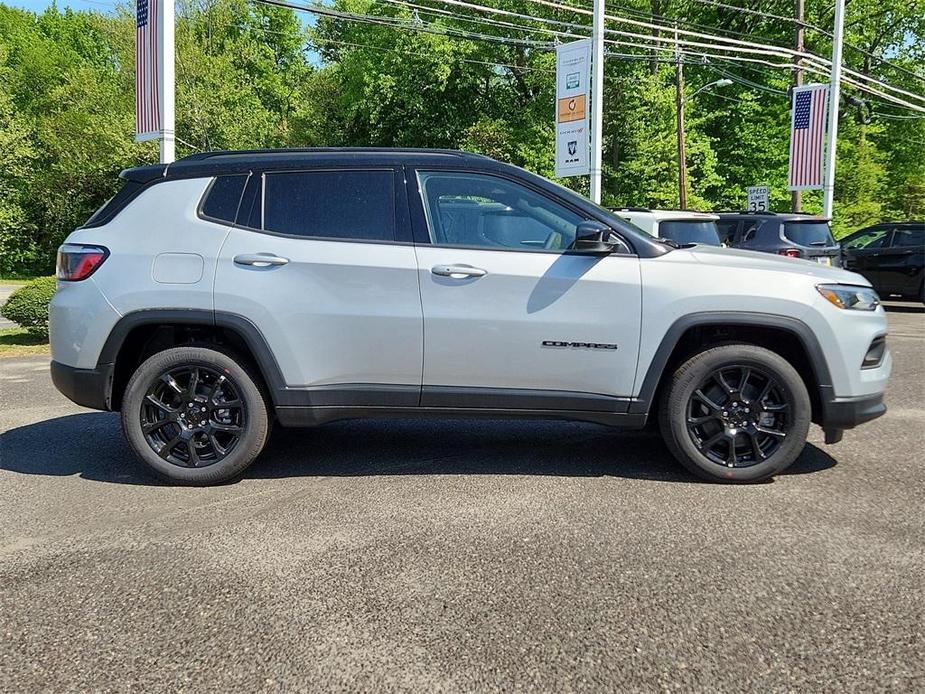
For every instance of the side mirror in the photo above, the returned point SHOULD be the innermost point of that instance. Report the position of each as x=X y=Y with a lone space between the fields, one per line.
x=592 y=237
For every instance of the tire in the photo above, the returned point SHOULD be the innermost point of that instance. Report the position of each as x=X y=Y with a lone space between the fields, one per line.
x=701 y=413
x=198 y=430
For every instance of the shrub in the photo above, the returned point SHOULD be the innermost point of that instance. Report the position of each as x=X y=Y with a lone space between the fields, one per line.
x=28 y=305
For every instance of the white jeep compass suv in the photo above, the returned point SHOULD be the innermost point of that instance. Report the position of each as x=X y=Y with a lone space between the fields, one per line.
x=215 y=295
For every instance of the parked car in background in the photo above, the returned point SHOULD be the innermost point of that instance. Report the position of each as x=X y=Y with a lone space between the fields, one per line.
x=681 y=226
x=891 y=256
x=791 y=235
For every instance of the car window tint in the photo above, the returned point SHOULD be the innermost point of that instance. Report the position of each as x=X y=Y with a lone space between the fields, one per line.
x=872 y=238
x=748 y=233
x=686 y=231
x=908 y=237
x=487 y=211
x=223 y=198
x=809 y=233
x=727 y=231
x=355 y=205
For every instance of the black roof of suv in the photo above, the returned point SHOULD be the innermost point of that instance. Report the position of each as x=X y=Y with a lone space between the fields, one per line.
x=785 y=233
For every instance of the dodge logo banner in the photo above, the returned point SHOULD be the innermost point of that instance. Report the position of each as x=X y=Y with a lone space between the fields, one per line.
x=573 y=74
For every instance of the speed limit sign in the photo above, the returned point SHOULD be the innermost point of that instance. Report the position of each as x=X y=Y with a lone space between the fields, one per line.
x=758 y=198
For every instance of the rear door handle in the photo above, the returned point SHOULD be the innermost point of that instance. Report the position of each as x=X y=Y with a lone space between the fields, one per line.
x=259 y=259
x=458 y=272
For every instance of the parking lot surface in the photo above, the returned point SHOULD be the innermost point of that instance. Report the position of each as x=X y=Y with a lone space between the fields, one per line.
x=461 y=555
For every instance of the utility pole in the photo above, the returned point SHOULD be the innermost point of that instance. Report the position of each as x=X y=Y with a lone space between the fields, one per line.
x=834 y=98
x=679 y=108
x=796 y=196
x=597 y=100
x=167 y=74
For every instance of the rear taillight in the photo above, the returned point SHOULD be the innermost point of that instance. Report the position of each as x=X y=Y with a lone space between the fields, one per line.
x=77 y=262
x=790 y=252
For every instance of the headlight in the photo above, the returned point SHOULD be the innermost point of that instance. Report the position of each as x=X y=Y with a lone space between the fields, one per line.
x=849 y=297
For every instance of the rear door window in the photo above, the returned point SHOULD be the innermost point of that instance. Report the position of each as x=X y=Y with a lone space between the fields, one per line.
x=871 y=238
x=908 y=237
x=727 y=231
x=347 y=204
x=809 y=233
x=748 y=233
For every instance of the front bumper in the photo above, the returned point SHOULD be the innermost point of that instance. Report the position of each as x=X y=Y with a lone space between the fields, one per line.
x=847 y=413
x=87 y=387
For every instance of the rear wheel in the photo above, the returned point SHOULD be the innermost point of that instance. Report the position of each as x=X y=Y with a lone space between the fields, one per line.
x=194 y=415
x=736 y=413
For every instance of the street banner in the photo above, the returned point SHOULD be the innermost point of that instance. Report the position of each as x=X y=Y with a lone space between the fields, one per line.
x=807 y=136
x=147 y=70
x=573 y=77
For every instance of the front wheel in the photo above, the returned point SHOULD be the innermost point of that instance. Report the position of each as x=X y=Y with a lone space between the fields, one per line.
x=194 y=415
x=735 y=413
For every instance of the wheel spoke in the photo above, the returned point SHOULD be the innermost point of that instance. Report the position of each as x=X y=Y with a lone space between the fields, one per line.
x=193 y=381
x=216 y=388
x=168 y=447
x=154 y=426
x=172 y=383
x=220 y=450
x=710 y=442
x=731 y=453
x=706 y=401
x=765 y=391
x=160 y=405
x=193 y=455
x=783 y=407
x=771 y=432
x=746 y=373
x=697 y=421
x=756 y=449
x=225 y=428
x=724 y=384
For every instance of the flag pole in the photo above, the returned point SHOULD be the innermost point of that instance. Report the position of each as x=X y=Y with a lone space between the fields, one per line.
x=597 y=98
x=834 y=98
x=166 y=10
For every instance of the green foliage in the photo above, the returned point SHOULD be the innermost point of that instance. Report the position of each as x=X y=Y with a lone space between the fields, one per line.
x=28 y=306
x=252 y=75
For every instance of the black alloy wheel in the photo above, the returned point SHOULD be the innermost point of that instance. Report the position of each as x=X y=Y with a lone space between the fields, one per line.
x=192 y=416
x=738 y=416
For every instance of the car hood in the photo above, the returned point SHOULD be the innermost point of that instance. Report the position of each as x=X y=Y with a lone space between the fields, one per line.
x=737 y=258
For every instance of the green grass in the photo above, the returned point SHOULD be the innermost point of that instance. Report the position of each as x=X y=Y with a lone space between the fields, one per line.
x=19 y=279
x=15 y=342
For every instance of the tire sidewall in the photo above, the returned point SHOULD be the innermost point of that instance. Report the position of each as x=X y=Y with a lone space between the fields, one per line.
x=691 y=376
x=256 y=422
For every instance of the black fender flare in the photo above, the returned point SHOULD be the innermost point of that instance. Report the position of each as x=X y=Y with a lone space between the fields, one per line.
x=642 y=403
x=240 y=325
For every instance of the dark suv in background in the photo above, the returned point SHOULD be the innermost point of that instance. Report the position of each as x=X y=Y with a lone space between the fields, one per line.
x=792 y=235
x=891 y=256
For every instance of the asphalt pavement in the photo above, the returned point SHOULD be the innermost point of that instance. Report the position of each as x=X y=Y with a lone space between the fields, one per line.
x=460 y=556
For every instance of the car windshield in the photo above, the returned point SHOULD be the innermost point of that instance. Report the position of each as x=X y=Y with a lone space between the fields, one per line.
x=809 y=233
x=687 y=231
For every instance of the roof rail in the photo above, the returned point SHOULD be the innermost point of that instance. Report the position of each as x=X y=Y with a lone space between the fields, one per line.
x=201 y=156
x=630 y=209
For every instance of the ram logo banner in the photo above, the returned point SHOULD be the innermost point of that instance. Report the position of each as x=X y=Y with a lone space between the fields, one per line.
x=573 y=73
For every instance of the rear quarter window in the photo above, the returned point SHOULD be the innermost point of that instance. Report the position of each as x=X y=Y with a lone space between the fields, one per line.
x=223 y=198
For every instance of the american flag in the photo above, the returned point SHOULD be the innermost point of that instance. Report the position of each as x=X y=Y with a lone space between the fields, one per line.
x=807 y=135
x=147 y=72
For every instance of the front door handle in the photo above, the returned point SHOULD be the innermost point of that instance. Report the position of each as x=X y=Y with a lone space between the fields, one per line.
x=458 y=272
x=259 y=259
